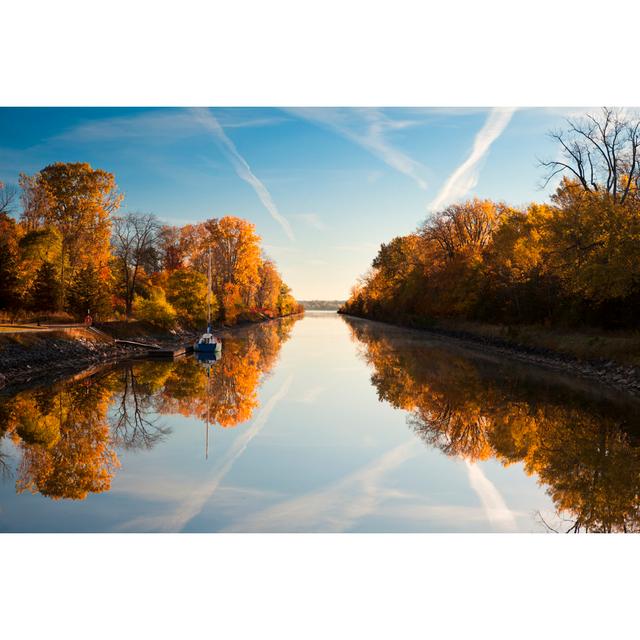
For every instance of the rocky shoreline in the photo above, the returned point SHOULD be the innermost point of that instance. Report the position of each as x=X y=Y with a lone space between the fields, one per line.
x=21 y=366
x=625 y=378
x=51 y=355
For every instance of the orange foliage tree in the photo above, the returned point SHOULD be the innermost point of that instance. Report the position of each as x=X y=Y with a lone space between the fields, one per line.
x=79 y=202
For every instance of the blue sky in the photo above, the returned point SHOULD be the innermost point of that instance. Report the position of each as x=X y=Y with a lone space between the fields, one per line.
x=324 y=187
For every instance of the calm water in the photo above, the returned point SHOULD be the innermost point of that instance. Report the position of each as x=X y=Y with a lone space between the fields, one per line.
x=320 y=424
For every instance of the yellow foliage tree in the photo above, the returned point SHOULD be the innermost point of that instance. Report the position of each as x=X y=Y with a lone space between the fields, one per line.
x=155 y=309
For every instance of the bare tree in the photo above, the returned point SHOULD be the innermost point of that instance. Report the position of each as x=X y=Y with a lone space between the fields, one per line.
x=8 y=194
x=601 y=151
x=134 y=239
x=35 y=201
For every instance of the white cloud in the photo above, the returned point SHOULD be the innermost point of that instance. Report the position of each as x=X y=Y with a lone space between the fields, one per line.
x=369 y=128
x=157 y=124
x=242 y=168
x=313 y=220
x=465 y=177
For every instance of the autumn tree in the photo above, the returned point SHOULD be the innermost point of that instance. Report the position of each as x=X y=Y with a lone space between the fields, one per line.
x=269 y=285
x=155 y=309
x=463 y=228
x=69 y=241
x=187 y=291
x=287 y=304
x=134 y=249
x=235 y=255
x=35 y=247
x=191 y=246
x=573 y=261
x=518 y=285
x=79 y=203
x=594 y=242
x=172 y=247
x=232 y=302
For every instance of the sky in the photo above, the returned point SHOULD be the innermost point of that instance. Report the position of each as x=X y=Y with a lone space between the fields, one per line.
x=324 y=186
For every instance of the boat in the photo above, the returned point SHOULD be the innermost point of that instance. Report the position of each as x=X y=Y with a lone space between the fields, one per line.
x=208 y=341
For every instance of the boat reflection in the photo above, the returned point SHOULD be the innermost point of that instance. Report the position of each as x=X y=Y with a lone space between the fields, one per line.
x=208 y=358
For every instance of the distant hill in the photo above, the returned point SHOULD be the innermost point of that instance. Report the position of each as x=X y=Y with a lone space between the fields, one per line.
x=321 y=305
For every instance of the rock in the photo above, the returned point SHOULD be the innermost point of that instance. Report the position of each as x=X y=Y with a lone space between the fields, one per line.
x=3 y=380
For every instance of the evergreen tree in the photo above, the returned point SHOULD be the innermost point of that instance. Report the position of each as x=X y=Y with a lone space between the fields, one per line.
x=8 y=263
x=45 y=290
x=88 y=292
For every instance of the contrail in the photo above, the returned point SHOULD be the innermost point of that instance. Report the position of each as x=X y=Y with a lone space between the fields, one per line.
x=242 y=168
x=336 y=507
x=465 y=177
x=194 y=504
x=372 y=137
x=494 y=505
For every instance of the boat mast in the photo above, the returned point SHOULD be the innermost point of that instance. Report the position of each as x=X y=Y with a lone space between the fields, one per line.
x=209 y=294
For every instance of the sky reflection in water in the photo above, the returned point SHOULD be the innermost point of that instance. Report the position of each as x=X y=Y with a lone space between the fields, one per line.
x=320 y=424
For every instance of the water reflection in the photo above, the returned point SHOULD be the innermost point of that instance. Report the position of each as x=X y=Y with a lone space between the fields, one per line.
x=319 y=447
x=583 y=447
x=67 y=436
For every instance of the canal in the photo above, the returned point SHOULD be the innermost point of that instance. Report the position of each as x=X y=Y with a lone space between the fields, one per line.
x=321 y=423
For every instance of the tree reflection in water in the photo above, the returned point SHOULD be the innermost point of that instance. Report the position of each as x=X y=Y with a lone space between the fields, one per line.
x=68 y=435
x=583 y=446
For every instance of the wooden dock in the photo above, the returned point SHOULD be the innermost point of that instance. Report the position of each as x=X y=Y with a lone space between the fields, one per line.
x=172 y=352
x=156 y=351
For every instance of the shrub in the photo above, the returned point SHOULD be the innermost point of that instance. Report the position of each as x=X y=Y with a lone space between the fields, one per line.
x=155 y=309
x=187 y=292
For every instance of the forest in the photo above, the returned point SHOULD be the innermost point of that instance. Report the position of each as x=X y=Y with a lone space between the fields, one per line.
x=66 y=250
x=571 y=262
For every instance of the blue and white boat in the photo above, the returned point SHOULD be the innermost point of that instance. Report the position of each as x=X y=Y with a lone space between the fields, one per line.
x=208 y=343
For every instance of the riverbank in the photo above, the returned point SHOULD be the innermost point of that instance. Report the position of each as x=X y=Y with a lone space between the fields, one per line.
x=30 y=356
x=609 y=358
